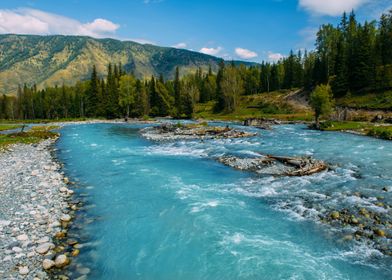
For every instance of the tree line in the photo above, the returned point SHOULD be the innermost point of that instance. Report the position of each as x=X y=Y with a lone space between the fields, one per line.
x=351 y=58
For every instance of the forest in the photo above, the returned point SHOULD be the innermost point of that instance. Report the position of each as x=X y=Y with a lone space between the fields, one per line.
x=353 y=58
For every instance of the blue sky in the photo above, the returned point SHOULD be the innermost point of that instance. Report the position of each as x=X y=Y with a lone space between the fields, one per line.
x=252 y=30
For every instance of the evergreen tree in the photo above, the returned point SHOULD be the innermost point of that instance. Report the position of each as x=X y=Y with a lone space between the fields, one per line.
x=177 y=91
x=220 y=99
x=92 y=94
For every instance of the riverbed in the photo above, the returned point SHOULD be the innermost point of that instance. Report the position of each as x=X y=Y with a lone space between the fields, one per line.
x=168 y=210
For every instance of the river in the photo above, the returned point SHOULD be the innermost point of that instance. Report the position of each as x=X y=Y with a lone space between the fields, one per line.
x=170 y=211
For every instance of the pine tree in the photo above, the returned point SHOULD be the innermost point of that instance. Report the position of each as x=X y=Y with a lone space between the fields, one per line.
x=177 y=91
x=220 y=103
x=92 y=94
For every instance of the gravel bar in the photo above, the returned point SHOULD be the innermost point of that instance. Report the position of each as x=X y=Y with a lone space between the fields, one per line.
x=33 y=200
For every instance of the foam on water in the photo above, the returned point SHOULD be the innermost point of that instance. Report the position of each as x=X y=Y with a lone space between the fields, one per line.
x=170 y=211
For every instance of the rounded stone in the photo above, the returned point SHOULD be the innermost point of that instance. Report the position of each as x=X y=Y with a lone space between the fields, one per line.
x=75 y=252
x=22 y=237
x=60 y=234
x=379 y=232
x=72 y=242
x=48 y=264
x=335 y=215
x=44 y=248
x=63 y=189
x=65 y=218
x=23 y=270
x=61 y=261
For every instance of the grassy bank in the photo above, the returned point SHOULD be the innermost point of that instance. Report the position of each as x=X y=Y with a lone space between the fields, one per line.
x=275 y=105
x=35 y=135
x=369 y=101
x=4 y=127
x=365 y=128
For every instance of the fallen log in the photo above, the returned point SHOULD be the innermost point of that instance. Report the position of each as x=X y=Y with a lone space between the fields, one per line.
x=304 y=165
x=284 y=166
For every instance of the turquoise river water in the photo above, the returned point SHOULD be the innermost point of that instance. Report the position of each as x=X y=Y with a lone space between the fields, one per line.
x=170 y=211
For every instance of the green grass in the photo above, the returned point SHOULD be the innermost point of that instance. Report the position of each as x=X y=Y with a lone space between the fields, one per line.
x=348 y=125
x=8 y=126
x=366 y=128
x=33 y=136
x=265 y=105
x=45 y=128
x=383 y=132
x=373 y=101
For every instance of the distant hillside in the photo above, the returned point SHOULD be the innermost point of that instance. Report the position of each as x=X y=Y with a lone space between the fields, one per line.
x=54 y=60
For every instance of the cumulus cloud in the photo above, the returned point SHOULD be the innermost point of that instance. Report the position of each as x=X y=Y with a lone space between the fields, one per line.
x=181 y=45
x=274 y=56
x=32 y=21
x=245 y=54
x=330 y=7
x=211 y=51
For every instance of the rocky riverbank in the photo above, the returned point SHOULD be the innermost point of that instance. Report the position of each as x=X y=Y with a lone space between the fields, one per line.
x=33 y=211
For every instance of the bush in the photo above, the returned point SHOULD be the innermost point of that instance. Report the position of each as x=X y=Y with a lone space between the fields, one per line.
x=381 y=132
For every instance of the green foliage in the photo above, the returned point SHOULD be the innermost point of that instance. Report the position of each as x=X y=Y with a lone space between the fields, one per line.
x=384 y=132
x=321 y=101
x=33 y=136
x=343 y=125
x=371 y=101
x=127 y=89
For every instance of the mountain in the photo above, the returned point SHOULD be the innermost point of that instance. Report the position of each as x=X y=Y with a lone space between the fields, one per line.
x=54 y=60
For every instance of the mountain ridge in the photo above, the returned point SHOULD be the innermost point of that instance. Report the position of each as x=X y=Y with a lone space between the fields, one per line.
x=49 y=60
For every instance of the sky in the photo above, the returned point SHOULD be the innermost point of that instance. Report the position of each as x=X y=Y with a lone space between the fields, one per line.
x=251 y=30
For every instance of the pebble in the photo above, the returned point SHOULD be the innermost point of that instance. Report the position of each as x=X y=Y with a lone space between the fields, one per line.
x=48 y=264
x=65 y=218
x=17 y=249
x=44 y=248
x=61 y=261
x=23 y=270
x=22 y=237
x=31 y=207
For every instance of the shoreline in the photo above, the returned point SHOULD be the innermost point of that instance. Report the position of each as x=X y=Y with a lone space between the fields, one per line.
x=36 y=208
x=35 y=211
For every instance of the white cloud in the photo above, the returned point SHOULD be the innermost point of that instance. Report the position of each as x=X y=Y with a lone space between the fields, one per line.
x=181 y=45
x=141 y=41
x=274 y=56
x=330 y=7
x=245 y=54
x=32 y=21
x=211 y=51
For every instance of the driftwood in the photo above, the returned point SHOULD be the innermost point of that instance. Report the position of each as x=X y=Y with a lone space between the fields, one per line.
x=304 y=165
x=276 y=165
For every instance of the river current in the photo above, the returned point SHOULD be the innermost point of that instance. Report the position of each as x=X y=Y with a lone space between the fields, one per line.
x=168 y=210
